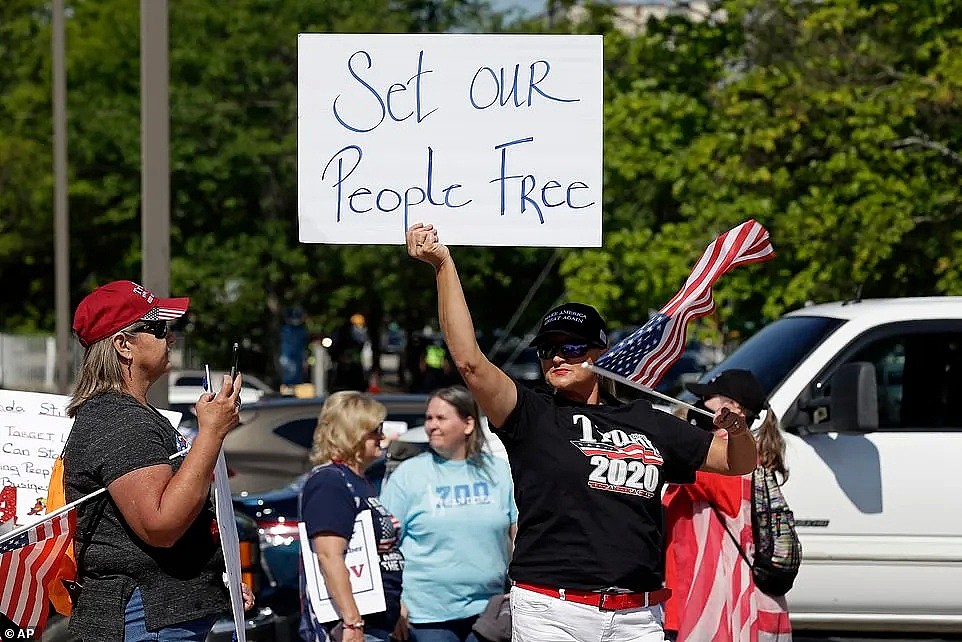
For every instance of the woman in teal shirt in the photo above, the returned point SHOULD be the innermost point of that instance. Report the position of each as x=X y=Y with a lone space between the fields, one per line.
x=458 y=517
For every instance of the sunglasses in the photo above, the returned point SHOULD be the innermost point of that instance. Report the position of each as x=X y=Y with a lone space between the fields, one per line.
x=566 y=350
x=158 y=328
x=378 y=431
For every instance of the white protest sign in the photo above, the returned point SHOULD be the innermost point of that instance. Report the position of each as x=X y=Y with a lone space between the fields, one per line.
x=33 y=429
x=495 y=139
x=364 y=568
x=230 y=543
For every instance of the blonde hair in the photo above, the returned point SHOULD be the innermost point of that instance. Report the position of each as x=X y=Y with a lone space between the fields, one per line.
x=346 y=420
x=100 y=372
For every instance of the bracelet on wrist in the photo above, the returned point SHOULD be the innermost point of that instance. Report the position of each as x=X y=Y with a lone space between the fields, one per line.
x=358 y=626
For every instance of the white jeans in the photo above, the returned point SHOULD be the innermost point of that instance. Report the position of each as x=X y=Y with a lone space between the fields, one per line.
x=541 y=618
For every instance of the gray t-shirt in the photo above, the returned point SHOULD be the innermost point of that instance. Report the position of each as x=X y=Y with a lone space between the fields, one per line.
x=113 y=435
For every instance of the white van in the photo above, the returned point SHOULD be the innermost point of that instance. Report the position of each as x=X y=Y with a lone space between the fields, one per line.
x=870 y=399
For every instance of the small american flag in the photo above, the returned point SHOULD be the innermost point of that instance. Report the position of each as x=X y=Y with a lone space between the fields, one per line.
x=28 y=561
x=646 y=354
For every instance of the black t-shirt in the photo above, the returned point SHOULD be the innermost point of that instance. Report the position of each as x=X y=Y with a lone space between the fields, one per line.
x=587 y=482
x=111 y=436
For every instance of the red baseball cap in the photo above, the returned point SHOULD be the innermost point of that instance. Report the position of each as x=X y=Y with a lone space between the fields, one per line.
x=116 y=305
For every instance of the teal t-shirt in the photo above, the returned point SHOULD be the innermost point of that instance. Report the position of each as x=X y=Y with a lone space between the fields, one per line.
x=455 y=520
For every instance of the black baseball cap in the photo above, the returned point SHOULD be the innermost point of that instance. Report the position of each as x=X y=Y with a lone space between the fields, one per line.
x=740 y=385
x=575 y=320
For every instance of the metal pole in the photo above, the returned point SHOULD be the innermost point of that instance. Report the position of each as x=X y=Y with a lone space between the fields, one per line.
x=155 y=157
x=61 y=219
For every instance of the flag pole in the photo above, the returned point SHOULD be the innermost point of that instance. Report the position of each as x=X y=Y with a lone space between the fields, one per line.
x=643 y=388
x=49 y=516
x=63 y=509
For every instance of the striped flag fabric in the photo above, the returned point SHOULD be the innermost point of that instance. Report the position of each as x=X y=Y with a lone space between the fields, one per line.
x=644 y=356
x=27 y=562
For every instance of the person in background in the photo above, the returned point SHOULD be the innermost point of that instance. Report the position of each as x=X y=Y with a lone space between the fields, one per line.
x=293 y=349
x=457 y=514
x=148 y=552
x=714 y=598
x=588 y=472
x=437 y=370
x=349 y=344
x=346 y=441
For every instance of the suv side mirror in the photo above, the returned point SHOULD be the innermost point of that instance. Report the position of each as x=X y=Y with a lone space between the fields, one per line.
x=853 y=401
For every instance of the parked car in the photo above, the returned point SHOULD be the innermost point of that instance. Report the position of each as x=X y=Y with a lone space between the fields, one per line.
x=184 y=387
x=519 y=362
x=270 y=447
x=866 y=392
x=262 y=624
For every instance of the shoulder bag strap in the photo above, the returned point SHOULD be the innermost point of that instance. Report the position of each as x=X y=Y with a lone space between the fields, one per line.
x=721 y=520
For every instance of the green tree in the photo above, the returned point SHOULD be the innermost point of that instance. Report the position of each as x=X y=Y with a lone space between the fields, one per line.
x=234 y=243
x=835 y=124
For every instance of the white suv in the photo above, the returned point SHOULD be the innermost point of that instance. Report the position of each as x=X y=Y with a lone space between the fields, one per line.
x=870 y=399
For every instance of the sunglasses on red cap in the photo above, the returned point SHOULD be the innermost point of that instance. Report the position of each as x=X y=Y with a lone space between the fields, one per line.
x=566 y=350
x=158 y=328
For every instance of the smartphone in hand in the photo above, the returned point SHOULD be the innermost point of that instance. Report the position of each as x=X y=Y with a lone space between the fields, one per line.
x=233 y=360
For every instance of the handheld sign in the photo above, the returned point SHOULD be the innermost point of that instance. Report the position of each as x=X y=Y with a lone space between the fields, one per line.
x=33 y=430
x=363 y=563
x=495 y=139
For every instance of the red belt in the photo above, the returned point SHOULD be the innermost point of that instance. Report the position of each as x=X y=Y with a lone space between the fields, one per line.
x=604 y=600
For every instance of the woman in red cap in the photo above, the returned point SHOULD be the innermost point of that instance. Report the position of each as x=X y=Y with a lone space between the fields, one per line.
x=588 y=472
x=714 y=596
x=149 y=558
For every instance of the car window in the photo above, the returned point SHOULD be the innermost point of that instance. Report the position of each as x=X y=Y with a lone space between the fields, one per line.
x=774 y=352
x=919 y=376
x=301 y=431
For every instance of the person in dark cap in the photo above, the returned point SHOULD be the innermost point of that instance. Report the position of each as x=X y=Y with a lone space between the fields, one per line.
x=588 y=472
x=149 y=558
x=714 y=597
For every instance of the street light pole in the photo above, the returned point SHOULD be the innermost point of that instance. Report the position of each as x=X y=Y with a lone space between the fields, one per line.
x=61 y=218
x=155 y=158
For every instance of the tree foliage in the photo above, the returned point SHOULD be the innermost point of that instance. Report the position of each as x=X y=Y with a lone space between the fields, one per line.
x=835 y=123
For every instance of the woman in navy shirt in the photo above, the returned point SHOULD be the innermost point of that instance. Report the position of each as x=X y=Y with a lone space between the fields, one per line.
x=346 y=441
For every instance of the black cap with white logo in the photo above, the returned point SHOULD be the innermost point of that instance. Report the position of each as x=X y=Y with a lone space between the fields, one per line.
x=739 y=385
x=575 y=320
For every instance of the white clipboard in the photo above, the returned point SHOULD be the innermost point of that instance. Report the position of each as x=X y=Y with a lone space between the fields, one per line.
x=363 y=565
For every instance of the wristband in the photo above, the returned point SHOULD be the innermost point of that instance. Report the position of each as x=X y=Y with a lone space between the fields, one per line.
x=357 y=626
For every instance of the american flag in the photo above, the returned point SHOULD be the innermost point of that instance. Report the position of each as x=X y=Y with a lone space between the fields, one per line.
x=646 y=354
x=28 y=561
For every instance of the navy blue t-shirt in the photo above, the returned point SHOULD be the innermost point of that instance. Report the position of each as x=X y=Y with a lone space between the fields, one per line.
x=330 y=502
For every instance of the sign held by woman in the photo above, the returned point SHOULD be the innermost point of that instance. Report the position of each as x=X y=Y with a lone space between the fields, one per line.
x=496 y=137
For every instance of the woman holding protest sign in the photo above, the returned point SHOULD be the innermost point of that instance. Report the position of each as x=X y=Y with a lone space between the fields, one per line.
x=148 y=552
x=346 y=441
x=588 y=472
